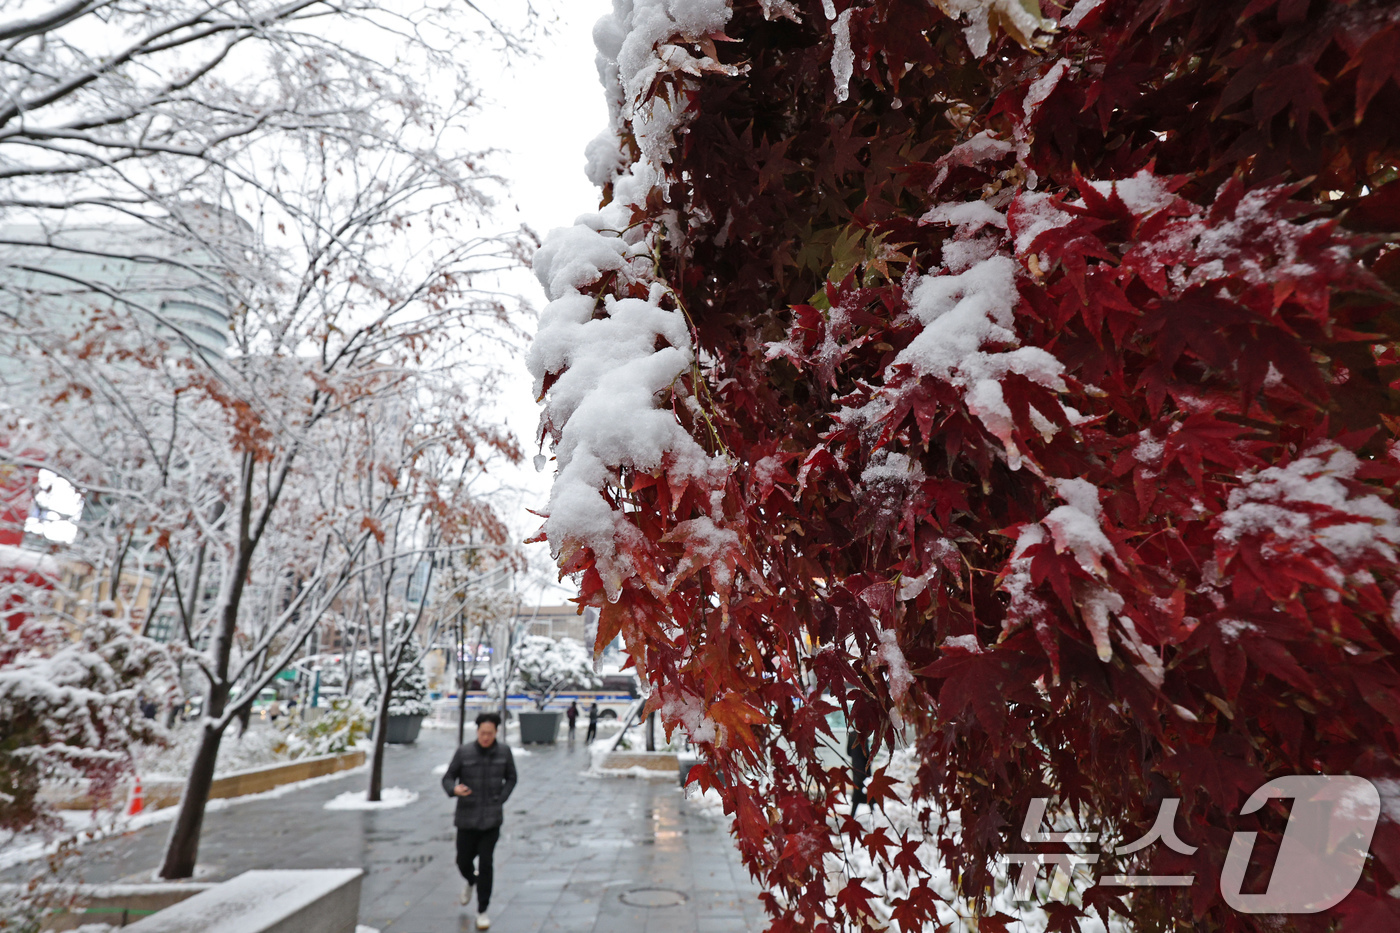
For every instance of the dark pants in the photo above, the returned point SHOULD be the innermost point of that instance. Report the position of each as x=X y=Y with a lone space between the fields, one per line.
x=479 y=844
x=591 y=734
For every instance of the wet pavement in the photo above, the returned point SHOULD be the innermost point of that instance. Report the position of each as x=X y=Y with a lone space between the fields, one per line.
x=577 y=854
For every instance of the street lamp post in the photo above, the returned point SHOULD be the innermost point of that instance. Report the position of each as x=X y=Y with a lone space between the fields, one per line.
x=461 y=681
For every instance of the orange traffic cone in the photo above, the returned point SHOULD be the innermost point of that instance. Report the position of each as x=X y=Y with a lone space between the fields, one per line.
x=138 y=800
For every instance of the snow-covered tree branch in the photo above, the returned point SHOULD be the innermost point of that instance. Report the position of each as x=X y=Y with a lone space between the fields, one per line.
x=234 y=292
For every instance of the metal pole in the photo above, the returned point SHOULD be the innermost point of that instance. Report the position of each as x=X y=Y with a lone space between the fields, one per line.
x=505 y=673
x=462 y=681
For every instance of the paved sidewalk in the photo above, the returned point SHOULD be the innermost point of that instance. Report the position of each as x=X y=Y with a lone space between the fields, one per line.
x=576 y=854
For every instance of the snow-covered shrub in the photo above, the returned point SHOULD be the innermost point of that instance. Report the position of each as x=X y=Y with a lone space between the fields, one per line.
x=542 y=667
x=410 y=696
x=70 y=709
x=254 y=748
x=337 y=730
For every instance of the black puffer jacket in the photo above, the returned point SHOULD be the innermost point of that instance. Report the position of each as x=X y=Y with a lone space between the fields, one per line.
x=490 y=773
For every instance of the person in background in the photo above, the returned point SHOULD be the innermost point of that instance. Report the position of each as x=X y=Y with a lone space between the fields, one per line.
x=592 y=723
x=860 y=769
x=572 y=714
x=274 y=710
x=481 y=777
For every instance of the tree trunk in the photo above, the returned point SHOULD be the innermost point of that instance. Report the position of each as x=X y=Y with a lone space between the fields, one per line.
x=350 y=662
x=651 y=732
x=381 y=726
x=182 y=846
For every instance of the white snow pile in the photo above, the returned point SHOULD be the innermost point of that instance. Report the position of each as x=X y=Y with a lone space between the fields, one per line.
x=617 y=361
x=1075 y=525
x=390 y=798
x=1274 y=504
x=1080 y=10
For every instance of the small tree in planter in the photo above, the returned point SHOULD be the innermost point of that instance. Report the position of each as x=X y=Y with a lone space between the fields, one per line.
x=408 y=700
x=541 y=668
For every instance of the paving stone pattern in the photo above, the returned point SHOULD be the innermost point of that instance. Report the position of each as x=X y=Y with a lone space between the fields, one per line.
x=576 y=855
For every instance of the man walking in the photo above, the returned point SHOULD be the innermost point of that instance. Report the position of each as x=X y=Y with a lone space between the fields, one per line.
x=592 y=723
x=572 y=714
x=481 y=777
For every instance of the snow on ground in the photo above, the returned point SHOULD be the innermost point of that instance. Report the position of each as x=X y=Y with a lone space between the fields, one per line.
x=108 y=928
x=633 y=772
x=82 y=826
x=392 y=797
x=260 y=745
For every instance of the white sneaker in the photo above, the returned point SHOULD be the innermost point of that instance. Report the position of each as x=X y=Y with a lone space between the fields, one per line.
x=483 y=922
x=467 y=889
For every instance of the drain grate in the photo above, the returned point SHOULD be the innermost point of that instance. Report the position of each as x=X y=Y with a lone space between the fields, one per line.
x=653 y=897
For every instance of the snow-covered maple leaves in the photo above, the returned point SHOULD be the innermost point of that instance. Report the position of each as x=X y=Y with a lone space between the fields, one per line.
x=1048 y=412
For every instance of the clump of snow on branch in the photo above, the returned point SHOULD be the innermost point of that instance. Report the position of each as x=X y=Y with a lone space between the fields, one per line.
x=1041 y=88
x=1021 y=19
x=964 y=313
x=1307 y=503
x=896 y=665
x=609 y=369
x=1075 y=525
x=390 y=798
x=842 y=57
x=689 y=710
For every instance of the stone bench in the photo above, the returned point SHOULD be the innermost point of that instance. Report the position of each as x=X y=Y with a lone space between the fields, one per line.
x=305 y=901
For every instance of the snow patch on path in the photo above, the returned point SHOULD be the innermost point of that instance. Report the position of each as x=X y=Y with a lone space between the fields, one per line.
x=392 y=797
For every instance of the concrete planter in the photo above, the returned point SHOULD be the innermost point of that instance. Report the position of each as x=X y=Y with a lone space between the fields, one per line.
x=292 y=901
x=403 y=730
x=639 y=764
x=116 y=904
x=538 y=728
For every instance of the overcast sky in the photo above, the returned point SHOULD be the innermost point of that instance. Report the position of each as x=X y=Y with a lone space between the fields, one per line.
x=542 y=111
